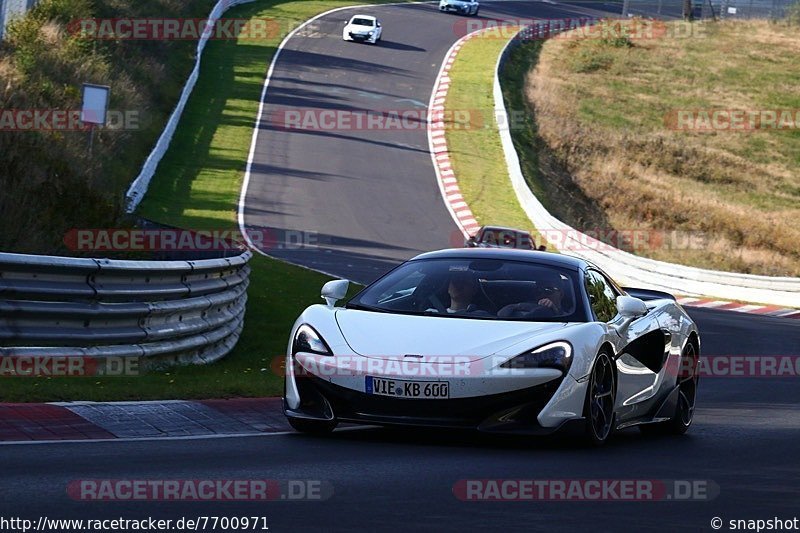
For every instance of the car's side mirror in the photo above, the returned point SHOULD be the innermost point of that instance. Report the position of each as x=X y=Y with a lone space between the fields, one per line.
x=470 y=241
x=630 y=307
x=334 y=291
x=379 y=24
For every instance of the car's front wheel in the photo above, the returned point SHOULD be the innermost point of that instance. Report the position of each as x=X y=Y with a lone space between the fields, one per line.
x=688 y=379
x=315 y=427
x=475 y=14
x=600 y=399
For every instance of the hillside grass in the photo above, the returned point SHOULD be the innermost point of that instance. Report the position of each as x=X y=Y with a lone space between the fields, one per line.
x=610 y=156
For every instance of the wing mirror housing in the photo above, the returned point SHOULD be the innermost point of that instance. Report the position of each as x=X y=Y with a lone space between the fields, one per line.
x=630 y=307
x=334 y=291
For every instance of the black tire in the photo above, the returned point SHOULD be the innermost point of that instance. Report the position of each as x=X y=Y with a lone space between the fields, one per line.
x=314 y=427
x=600 y=399
x=476 y=12
x=688 y=379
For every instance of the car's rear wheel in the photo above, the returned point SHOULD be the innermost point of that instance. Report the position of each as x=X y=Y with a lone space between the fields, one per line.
x=315 y=427
x=600 y=399
x=688 y=379
x=476 y=11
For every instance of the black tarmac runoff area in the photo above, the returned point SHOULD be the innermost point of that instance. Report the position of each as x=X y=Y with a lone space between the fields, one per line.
x=739 y=458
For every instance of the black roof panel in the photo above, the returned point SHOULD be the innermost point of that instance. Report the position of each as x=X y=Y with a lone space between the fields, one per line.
x=512 y=254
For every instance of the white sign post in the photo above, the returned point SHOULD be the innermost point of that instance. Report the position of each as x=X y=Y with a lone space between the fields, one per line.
x=94 y=109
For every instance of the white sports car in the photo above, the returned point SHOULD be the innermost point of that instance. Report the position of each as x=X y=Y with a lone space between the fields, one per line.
x=500 y=340
x=363 y=28
x=464 y=7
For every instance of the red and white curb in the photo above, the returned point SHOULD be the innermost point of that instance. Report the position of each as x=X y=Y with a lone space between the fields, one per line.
x=173 y=419
x=722 y=305
x=448 y=184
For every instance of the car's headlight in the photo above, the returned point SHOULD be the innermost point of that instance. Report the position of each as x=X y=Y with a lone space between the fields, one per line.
x=556 y=355
x=306 y=339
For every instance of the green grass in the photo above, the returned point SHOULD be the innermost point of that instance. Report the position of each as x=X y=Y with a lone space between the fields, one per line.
x=475 y=149
x=526 y=141
x=197 y=186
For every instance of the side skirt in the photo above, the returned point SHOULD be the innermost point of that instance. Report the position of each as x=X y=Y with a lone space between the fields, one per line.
x=660 y=413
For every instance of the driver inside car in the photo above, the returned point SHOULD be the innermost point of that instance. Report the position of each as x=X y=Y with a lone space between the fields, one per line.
x=548 y=302
x=462 y=289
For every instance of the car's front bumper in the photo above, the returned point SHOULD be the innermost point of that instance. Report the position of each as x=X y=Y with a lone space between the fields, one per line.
x=454 y=8
x=507 y=412
x=360 y=37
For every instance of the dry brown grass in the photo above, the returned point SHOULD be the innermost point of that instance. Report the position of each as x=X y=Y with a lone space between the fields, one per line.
x=605 y=126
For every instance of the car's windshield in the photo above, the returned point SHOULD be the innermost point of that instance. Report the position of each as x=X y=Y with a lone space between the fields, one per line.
x=362 y=22
x=477 y=288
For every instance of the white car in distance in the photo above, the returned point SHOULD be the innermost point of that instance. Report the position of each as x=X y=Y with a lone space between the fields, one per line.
x=362 y=28
x=462 y=7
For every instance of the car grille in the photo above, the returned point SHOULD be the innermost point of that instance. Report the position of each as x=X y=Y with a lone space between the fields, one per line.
x=457 y=412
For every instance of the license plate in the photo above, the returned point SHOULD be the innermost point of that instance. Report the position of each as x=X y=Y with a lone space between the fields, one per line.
x=400 y=388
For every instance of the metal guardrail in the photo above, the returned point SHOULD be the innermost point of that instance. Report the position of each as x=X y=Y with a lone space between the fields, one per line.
x=164 y=312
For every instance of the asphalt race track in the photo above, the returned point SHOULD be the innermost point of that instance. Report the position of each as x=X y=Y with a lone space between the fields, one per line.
x=368 y=197
x=744 y=439
x=373 y=199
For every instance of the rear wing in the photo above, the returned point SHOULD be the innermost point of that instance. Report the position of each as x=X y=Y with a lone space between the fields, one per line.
x=647 y=294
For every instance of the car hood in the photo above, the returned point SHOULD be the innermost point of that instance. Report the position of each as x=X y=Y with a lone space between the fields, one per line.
x=387 y=335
